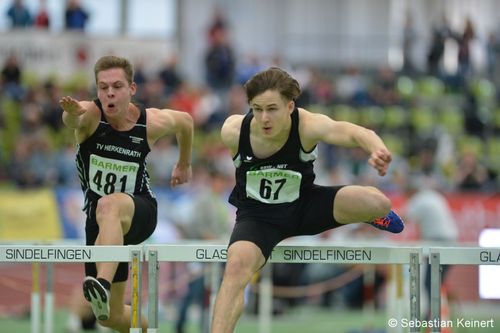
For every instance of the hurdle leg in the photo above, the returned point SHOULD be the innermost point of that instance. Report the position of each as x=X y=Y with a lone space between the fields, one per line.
x=35 y=298
x=49 y=299
x=414 y=289
x=436 y=290
x=135 y=316
x=153 y=268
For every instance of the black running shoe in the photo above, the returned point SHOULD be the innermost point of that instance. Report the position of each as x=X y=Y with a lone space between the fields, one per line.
x=97 y=296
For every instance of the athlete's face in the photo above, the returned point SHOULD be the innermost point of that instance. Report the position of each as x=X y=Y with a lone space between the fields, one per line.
x=271 y=113
x=114 y=91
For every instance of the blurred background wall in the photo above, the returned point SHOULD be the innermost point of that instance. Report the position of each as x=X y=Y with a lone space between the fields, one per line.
x=327 y=34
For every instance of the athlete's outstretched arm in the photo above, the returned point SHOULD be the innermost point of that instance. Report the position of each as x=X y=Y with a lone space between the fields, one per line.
x=73 y=112
x=182 y=171
x=346 y=134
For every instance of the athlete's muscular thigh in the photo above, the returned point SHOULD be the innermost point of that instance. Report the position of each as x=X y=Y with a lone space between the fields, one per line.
x=359 y=204
x=116 y=206
x=244 y=258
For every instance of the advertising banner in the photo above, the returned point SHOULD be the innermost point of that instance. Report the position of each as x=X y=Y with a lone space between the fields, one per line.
x=29 y=215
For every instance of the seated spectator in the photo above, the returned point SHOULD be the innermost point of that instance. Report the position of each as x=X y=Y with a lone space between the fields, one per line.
x=169 y=75
x=11 y=72
x=19 y=15
x=471 y=174
x=220 y=62
x=42 y=20
x=425 y=165
x=75 y=16
x=440 y=33
x=11 y=78
x=384 y=90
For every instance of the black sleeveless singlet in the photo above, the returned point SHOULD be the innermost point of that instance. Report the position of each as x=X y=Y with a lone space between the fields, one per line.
x=277 y=180
x=113 y=161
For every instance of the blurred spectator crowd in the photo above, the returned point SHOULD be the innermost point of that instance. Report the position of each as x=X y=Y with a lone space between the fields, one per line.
x=441 y=127
x=20 y=16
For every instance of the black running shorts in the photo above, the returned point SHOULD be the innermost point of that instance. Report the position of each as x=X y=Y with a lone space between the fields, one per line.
x=311 y=214
x=143 y=224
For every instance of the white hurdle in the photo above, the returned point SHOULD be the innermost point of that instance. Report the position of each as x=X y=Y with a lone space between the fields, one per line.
x=72 y=254
x=203 y=252
x=284 y=254
x=454 y=256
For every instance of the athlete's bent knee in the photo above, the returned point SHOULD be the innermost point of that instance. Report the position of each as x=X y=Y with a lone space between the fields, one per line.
x=238 y=268
x=381 y=203
x=107 y=206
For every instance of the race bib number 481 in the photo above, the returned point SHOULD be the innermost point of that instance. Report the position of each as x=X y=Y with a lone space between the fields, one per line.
x=273 y=186
x=108 y=175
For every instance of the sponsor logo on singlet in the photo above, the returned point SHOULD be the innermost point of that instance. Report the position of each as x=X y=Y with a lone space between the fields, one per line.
x=109 y=175
x=273 y=185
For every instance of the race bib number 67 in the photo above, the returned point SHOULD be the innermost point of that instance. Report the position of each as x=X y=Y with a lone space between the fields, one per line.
x=109 y=176
x=273 y=186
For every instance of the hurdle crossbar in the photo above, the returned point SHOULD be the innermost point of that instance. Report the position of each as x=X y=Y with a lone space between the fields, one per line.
x=455 y=256
x=73 y=254
x=66 y=253
x=289 y=254
x=286 y=254
x=214 y=253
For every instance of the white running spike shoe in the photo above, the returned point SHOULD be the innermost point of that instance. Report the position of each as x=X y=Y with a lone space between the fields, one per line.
x=97 y=296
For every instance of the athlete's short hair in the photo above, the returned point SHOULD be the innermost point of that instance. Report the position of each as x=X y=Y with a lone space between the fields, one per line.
x=109 y=62
x=273 y=78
